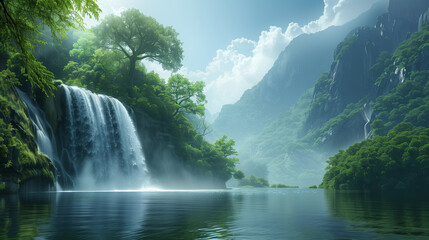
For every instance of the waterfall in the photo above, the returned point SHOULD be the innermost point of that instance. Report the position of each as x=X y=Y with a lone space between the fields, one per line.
x=100 y=148
x=367 y=114
x=45 y=137
x=96 y=138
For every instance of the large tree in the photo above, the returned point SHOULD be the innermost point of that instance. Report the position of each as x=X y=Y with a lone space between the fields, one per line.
x=188 y=96
x=21 y=21
x=140 y=37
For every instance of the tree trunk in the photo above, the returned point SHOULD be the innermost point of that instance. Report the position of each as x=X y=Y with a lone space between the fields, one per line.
x=133 y=60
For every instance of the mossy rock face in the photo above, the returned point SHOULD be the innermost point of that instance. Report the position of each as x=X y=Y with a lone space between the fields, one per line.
x=20 y=161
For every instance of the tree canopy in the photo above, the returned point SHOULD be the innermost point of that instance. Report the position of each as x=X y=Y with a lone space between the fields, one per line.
x=188 y=96
x=21 y=21
x=398 y=160
x=140 y=37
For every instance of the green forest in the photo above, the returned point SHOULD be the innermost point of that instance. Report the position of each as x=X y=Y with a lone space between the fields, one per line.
x=106 y=60
x=397 y=161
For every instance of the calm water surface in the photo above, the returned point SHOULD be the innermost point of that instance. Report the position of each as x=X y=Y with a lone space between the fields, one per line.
x=228 y=214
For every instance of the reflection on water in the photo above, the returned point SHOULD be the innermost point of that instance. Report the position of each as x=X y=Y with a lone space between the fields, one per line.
x=229 y=214
x=401 y=212
x=21 y=217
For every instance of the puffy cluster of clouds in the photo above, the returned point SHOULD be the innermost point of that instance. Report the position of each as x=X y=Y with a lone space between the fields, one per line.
x=244 y=62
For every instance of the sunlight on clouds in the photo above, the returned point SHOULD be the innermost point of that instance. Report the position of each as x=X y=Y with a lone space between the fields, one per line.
x=338 y=12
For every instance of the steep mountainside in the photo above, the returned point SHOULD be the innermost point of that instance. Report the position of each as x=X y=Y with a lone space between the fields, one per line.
x=296 y=70
x=397 y=156
x=354 y=78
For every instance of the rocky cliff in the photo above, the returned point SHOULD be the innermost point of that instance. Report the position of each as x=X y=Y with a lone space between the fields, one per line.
x=353 y=76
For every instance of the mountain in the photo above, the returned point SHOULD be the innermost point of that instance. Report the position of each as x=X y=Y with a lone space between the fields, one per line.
x=296 y=70
x=359 y=92
x=353 y=81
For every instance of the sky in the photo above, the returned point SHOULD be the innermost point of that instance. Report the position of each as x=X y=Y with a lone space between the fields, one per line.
x=231 y=44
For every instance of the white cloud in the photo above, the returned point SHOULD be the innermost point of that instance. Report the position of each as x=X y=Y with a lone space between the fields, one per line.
x=233 y=71
x=244 y=62
x=338 y=12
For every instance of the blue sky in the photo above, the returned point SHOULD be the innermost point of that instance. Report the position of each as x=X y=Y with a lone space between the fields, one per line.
x=207 y=25
x=231 y=44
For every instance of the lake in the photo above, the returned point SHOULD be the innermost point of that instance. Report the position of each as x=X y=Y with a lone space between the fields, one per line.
x=216 y=214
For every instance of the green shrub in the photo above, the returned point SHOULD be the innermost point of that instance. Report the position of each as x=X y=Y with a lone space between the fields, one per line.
x=254 y=182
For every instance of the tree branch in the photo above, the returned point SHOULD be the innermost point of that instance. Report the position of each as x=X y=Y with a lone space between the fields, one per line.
x=124 y=51
x=7 y=13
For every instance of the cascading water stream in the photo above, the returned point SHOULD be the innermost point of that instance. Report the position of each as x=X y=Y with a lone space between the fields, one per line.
x=367 y=113
x=45 y=137
x=100 y=146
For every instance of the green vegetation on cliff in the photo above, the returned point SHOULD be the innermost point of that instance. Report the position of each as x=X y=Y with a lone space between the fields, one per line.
x=409 y=101
x=398 y=160
x=20 y=160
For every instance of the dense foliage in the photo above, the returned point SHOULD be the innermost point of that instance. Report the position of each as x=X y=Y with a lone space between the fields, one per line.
x=21 y=22
x=398 y=160
x=183 y=92
x=409 y=101
x=139 y=37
